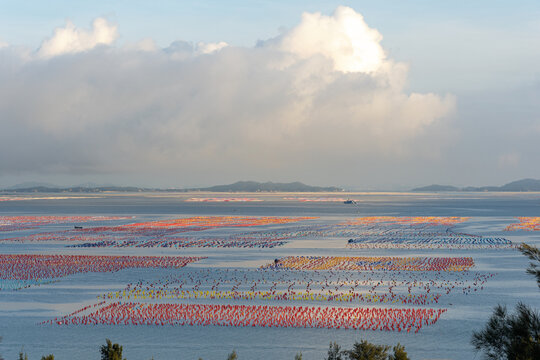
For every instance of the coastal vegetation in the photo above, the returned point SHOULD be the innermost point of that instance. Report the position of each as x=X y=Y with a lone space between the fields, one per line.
x=365 y=350
x=362 y=350
x=517 y=335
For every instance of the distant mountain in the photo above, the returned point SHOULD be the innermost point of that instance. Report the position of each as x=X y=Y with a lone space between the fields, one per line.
x=253 y=186
x=519 y=185
x=240 y=186
x=436 y=188
x=31 y=184
x=522 y=185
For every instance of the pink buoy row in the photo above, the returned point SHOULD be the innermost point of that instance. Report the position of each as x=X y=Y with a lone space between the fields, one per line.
x=313 y=199
x=214 y=199
x=33 y=267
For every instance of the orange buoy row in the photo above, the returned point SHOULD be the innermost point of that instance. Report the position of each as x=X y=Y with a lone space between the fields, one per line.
x=221 y=221
x=373 y=263
x=525 y=223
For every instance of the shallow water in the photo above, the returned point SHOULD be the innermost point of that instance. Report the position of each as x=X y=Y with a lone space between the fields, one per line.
x=449 y=338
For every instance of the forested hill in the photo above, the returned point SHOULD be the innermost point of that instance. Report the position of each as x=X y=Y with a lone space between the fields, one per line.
x=519 y=185
x=253 y=186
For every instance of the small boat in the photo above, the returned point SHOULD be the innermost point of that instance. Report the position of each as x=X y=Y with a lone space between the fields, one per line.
x=349 y=201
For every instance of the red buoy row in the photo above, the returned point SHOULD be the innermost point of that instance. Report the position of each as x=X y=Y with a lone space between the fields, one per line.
x=384 y=319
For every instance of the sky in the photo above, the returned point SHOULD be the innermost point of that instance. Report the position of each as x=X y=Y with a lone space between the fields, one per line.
x=360 y=94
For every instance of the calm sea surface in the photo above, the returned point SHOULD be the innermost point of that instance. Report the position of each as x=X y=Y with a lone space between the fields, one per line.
x=449 y=338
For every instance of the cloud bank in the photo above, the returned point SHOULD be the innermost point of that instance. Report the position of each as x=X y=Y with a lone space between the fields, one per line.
x=321 y=97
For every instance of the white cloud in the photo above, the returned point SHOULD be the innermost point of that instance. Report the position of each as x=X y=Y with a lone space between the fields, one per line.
x=344 y=38
x=208 y=48
x=69 y=39
x=3 y=44
x=320 y=99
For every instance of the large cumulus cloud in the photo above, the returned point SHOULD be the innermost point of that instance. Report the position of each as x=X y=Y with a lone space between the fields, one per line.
x=320 y=93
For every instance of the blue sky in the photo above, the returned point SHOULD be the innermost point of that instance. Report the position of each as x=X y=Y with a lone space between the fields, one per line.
x=483 y=54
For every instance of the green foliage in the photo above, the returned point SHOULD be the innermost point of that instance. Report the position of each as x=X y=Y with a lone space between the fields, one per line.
x=298 y=356
x=111 y=351
x=365 y=350
x=399 y=353
x=334 y=352
x=510 y=336
x=23 y=356
x=232 y=356
x=48 y=357
x=533 y=253
x=513 y=336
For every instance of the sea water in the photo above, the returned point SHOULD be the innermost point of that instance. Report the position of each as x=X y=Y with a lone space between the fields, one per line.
x=449 y=338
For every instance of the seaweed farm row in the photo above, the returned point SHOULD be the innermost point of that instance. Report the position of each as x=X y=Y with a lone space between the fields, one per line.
x=269 y=285
x=374 y=232
x=24 y=269
x=373 y=263
x=254 y=316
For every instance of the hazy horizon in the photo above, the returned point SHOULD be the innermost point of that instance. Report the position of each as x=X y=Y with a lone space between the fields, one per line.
x=195 y=186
